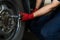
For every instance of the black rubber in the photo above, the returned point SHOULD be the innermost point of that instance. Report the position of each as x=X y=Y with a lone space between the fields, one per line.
x=17 y=32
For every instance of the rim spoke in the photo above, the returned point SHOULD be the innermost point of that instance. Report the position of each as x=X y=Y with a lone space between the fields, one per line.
x=7 y=20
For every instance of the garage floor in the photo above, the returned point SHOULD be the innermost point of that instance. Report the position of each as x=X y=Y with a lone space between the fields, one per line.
x=29 y=36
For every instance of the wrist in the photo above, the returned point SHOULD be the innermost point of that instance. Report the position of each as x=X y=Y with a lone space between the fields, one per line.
x=31 y=16
x=35 y=9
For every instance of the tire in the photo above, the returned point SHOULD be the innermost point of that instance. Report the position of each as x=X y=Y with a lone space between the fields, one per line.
x=11 y=27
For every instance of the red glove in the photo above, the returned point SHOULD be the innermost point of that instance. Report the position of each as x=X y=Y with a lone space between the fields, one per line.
x=34 y=10
x=26 y=16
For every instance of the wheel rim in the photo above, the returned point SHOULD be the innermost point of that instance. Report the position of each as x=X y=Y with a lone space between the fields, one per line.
x=8 y=22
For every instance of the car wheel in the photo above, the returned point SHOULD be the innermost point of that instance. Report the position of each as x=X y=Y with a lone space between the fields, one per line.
x=11 y=27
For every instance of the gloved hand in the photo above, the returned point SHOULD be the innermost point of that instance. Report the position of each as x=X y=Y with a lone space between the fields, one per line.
x=34 y=10
x=26 y=16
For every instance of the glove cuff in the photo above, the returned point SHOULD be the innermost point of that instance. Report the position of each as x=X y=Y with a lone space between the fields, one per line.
x=28 y=17
x=35 y=9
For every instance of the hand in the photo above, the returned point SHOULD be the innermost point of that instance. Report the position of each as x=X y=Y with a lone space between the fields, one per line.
x=34 y=10
x=26 y=16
